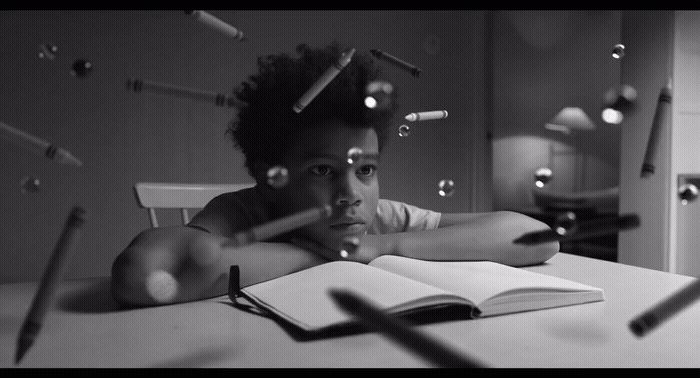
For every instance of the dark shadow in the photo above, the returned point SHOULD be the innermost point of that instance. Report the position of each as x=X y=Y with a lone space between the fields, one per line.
x=93 y=298
x=429 y=316
x=198 y=359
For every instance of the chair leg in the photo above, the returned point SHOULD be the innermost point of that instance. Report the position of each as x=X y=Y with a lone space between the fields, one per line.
x=185 y=216
x=152 y=217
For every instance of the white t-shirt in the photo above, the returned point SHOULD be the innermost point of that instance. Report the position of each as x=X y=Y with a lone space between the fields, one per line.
x=246 y=209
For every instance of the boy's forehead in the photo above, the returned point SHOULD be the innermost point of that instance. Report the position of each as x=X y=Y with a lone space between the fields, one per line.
x=333 y=139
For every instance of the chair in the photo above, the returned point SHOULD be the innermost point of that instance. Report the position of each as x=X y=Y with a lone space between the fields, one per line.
x=164 y=195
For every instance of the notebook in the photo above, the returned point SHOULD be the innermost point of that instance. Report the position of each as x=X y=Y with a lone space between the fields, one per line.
x=401 y=286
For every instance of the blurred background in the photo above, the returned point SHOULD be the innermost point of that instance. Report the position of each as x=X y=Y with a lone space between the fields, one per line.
x=525 y=91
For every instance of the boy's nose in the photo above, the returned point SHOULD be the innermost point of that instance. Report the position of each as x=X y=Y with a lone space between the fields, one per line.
x=348 y=194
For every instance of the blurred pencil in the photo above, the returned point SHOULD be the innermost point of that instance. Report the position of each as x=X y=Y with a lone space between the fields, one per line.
x=584 y=230
x=49 y=281
x=279 y=226
x=662 y=311
x=411 y=339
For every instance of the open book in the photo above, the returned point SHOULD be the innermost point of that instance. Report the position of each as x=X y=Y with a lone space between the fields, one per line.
x=401 y=286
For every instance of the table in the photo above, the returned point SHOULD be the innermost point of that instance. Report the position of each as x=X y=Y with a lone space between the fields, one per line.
x=85 y=328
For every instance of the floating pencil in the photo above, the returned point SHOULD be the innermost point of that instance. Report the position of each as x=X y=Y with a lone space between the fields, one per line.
x=37 y=145
x=665 y=309
x=426 y=116
x=379 y=54
x=218 y=99
x=324 y=80
x=585 y=230
x=663 y=111
x=216 y=23
x=279 y=226
x=49 y=281
x=417 y=342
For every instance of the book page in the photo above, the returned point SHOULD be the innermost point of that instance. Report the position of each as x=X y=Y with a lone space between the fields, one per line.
x=302 y=297
x=476 y=280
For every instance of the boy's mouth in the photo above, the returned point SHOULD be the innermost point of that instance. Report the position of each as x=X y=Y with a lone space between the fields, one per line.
x=349 y=227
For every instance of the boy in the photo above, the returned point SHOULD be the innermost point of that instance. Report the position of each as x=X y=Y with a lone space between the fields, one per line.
x=184 y=263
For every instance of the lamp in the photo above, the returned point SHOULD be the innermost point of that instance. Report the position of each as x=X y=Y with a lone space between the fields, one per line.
x=568 y=119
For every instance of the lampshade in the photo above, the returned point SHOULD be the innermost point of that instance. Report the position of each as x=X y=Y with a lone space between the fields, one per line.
x=568 y=119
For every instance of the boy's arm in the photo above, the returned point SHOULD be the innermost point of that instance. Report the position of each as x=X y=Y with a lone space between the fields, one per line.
x=474 y=236
x=459 y=237
x=178 y=264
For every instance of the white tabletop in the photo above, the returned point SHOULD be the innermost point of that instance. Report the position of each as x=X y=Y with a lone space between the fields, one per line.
x=86 y=329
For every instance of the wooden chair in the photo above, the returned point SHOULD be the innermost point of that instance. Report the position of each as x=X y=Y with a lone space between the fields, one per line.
x=164 y=195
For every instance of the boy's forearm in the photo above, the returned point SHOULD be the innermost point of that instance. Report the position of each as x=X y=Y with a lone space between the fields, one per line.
x=193 y=266
x=486 y=237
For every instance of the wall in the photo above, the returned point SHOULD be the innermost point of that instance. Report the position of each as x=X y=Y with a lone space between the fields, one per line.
x=647 y=66
x=684 y=219
x=544 y=61
x=123 y=137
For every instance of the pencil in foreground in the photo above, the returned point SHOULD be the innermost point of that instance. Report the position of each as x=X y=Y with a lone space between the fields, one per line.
x=417 y=342
x=49 y=282
x=379 y=54
x=584 y=230
x=216 y=23
x=659 y=313
x=426 y=116
x=37 y=145
x=279 y=226
x=328 y=75
x=218 y=99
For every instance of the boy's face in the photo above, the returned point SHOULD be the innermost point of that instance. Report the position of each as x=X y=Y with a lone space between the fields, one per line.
x=319 y=174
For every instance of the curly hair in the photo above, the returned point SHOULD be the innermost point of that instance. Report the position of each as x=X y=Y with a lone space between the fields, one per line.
x=265 y=123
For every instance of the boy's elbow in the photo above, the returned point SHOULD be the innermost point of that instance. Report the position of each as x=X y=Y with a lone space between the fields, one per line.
x=127 y=283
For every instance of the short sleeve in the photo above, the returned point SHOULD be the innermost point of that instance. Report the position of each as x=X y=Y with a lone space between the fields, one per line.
x=394 y=216
x=231 y=212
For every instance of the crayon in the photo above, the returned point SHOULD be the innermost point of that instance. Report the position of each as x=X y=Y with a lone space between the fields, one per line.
x=218 y=99
x=327 y=76
x=426 y=116
x=379 y=54
x=663 y=111
x=37 y=145
x=216 y=23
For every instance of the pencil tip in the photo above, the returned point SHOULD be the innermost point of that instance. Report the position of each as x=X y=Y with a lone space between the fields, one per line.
x=22 y=347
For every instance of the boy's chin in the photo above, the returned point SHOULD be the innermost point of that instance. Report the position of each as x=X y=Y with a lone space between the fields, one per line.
x=340 y=242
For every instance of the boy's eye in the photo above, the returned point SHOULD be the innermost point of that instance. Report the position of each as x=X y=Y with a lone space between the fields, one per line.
x=367 y=170
x=321 y=170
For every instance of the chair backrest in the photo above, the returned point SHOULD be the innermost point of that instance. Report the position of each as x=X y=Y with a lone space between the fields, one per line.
x=167 y=195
